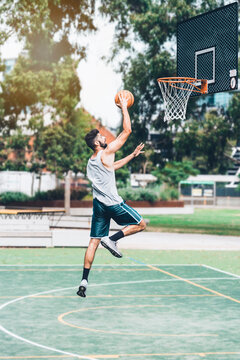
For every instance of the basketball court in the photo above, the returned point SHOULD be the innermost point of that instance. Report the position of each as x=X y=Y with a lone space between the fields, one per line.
x=136 y=310
x=132 y=311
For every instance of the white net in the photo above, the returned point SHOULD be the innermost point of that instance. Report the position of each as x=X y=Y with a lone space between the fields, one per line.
x=176 y=93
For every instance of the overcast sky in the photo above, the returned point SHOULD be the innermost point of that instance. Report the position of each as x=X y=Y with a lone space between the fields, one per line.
x=98 y=79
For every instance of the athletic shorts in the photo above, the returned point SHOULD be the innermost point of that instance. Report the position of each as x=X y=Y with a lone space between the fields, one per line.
x=122 y=214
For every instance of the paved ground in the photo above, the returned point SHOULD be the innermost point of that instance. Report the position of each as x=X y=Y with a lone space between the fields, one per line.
x=174 y=241
x=153 y=240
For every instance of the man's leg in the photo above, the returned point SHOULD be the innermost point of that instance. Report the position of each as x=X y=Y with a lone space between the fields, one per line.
x=88 y=260
x=90 y=252
x=132 y=229
x=123 y=214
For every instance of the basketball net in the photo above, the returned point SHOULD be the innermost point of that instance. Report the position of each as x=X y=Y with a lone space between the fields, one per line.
x=176 y=93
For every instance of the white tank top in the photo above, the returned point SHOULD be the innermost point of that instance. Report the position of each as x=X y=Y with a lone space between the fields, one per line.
x=103 y=181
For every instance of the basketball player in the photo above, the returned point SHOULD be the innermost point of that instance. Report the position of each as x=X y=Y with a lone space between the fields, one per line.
x=107 y=203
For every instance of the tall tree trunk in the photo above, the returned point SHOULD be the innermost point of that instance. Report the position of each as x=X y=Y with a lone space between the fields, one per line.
x=67 y=194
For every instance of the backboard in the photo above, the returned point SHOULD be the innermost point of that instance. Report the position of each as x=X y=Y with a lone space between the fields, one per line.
x=207 y=48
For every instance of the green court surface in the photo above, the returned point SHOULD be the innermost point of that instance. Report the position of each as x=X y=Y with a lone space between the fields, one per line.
x=135 y=310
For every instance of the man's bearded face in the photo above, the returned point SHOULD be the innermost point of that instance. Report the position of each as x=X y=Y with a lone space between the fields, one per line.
x=102 y=141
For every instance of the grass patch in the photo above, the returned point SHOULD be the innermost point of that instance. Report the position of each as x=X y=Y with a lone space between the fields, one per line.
x=204 y=221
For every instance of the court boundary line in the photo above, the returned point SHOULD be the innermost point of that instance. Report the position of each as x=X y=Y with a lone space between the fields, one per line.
x=93 y=285
x=4 y=330
x=188 y=281
x=118 y=356
x=96 y=265
x=221 y=271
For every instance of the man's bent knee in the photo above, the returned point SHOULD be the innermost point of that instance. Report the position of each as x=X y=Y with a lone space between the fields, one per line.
x=142 y=225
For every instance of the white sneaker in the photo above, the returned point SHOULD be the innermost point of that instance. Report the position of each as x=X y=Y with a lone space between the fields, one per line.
x=82 y=288
x=111 y=246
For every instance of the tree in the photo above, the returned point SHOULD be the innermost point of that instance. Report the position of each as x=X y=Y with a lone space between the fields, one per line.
x=174 y=172
x=150 y=25
x=44 y=85
x=205 y=143
x=62 y=148
x=234 y=113
x=46 y=26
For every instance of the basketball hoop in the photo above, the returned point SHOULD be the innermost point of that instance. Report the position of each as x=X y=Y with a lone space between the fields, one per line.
x=176 y=92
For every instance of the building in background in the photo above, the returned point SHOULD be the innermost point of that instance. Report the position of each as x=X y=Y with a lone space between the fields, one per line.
x=26 y=182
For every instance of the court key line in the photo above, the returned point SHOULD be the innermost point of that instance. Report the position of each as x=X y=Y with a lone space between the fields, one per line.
x=3 y=329
x=61 y=316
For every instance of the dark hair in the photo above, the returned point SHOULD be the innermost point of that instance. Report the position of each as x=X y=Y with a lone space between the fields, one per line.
x=90 y=137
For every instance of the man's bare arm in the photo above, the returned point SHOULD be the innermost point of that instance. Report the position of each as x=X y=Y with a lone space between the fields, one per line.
x=120 y=163
x=115 y=145
x=109 y=153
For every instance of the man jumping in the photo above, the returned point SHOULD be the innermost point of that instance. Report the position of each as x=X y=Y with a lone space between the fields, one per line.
x=107 y=204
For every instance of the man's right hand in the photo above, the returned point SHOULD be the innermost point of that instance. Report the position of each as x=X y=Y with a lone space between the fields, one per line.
x=123 y=100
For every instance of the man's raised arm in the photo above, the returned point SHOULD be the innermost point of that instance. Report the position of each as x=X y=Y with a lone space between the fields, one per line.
x=116 y=144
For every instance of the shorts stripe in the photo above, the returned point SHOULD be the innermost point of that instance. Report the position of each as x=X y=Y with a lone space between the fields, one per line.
x=135 y=211
x=132 y=214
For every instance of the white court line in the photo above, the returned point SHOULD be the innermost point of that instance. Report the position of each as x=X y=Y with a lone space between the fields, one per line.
x=98 y=265
x=2 y=328
x=43 y=346
x=71 y=288
x=222 y=271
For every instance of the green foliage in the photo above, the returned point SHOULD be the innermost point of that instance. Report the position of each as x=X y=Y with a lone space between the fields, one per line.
x=206 y=143
x=8 y=197
x=234 y=113
x=138 y=194
x=151 y=193
x=122 y=176
x=149 y=25
x=174 y=172
x=46 y=26
x=62 y=146
x=58 y=194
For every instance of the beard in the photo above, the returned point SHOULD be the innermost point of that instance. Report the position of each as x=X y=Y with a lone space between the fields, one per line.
x=103 y=145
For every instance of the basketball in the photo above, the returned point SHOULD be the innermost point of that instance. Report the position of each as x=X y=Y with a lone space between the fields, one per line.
x=130 y=98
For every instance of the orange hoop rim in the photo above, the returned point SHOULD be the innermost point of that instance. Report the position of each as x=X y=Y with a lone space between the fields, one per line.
x=188 y=80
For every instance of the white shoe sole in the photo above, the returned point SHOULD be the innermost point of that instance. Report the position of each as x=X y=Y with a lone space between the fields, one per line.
x=112 y=251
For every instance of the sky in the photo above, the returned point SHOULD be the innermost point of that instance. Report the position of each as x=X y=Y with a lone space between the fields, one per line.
x=98 y=79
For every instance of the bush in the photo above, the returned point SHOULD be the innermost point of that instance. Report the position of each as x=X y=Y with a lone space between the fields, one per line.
x=58 y=194
x=152 y=193
x=174 y=194
x=138 y=194
x=164 y=196
x=8 y=197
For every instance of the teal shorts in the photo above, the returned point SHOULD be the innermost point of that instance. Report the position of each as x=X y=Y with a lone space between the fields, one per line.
x=122 y=214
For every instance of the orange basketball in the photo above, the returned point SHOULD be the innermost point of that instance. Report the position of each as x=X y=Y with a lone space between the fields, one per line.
x=130 y=98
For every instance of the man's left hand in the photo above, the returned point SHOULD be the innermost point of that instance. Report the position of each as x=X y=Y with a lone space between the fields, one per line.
x=138 y=149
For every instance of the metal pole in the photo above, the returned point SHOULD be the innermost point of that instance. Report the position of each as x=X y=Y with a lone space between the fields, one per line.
x=67 y=195
x=214 y=193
